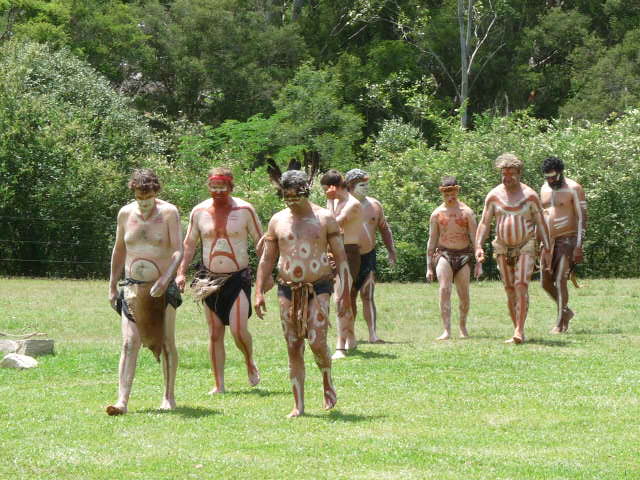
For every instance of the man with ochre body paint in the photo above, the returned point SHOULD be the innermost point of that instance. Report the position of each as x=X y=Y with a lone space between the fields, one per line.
x=223 y=224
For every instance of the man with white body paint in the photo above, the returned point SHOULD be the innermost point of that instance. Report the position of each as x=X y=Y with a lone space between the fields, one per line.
x=347 y=211
x=518 y=211
x=565 y=210
x=374 y=221
x=300 y=235
x=452 y=231
x=223 y=224
x=148 y=248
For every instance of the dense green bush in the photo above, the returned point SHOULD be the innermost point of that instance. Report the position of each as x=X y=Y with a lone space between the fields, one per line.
x=68 y=142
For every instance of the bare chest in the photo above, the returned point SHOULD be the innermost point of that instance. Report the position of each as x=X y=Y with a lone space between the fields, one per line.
x=152 y=232
x=222 y=223
x=558 y=200
x=452 y=222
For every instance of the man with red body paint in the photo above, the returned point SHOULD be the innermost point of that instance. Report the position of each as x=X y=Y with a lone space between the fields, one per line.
x=518 y=211
x=299 y=235
x=223 y=224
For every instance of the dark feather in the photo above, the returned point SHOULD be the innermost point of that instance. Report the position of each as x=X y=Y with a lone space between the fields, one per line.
x=274 y=173
x=294 y=164
x=312 y=164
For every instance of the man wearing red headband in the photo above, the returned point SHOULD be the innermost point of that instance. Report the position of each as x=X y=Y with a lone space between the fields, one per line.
x=518 y=212
x=223 y=281
x=452 y=230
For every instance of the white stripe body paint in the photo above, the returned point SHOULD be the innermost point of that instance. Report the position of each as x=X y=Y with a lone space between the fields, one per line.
x=558 y=289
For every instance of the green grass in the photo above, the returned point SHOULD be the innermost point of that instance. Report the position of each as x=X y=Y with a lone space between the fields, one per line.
x=557 y=407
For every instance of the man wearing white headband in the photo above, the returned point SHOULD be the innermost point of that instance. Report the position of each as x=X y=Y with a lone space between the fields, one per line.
x=357 y=181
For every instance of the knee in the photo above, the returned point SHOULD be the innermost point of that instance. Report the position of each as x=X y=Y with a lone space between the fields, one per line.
x=522 y=288
x=216 y=334
x=445 y=291
x=131 y=345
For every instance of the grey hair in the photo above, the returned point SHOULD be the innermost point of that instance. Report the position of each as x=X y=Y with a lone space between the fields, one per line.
x=296 y=180
x=355 y=175
x=509 y=160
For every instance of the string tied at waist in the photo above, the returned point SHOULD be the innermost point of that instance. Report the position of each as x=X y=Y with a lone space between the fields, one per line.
x=299 y=306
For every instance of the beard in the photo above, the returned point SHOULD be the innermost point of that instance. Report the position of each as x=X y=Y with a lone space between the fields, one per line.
x=558 y=183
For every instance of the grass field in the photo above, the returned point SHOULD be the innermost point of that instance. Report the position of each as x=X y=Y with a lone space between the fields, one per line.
x=558 y=407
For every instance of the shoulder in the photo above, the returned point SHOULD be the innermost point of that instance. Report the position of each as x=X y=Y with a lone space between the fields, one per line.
x=437 y=211
x=200 y=207
x=126 y=210
x=240 y=203
x=166 y=207
x=545 y=188
x=572 y=184
x=529 y=192
x=466 y=209
x=495 y=193
x=321 y=212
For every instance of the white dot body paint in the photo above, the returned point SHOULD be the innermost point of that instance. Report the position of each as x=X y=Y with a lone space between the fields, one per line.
x=305 y=250
x=315 y=266
x=324 y=259
x=312 y=335
x=297 y=271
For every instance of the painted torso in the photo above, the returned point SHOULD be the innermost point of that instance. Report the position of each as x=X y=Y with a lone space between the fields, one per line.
x=514 y=212
x=560 y=209
x=302 y=242
x=351 y=226
x=224 y=234
x=148 y=242
x=453 y=226
x=372 y=213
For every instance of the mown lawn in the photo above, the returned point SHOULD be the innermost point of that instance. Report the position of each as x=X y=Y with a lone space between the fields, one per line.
x=557 y=407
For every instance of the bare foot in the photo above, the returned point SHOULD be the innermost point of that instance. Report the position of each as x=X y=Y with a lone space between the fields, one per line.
x=516 y=339
x=295 y=413
x=113 y=410
x=463 y=332
x=254 y=375
x=168 y=404
x=330 y=398
x=338 y=354
x=567 y=315
x=375 y=339
x=556 y=330
x=445 y=336
x=215 y=391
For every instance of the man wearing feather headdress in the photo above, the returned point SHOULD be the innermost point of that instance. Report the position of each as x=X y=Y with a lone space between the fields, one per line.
x=518 y=212
x=223 y=224
x=299 y=235
x=148 y=248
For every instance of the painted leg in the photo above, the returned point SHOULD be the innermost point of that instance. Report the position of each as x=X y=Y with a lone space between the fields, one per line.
x=239 y=323
x=524 y=270
x=508 y=279
x=127 y=368
x=369 y=307
x=462 y=287
x=318 y=342
x=548 y=284
x=445 y=278
x=295 y=351
x=564 y=312
x=216 y=350
x=169 y=359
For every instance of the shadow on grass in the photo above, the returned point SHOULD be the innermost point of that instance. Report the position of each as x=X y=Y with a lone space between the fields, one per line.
x=187 y=412
x=338 y=416
x=548 y=342
x=383 y=342
x=359 y=353
x=595 y=331
x=260 y=392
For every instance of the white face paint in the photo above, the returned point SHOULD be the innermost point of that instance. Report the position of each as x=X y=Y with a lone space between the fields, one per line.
x=146 y=201
x=361 y=189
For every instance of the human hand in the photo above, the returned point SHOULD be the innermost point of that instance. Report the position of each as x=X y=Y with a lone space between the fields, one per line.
x=392 y=258
x=477 y=271
x=259 y=305
x=159 y=287
x=480 y=258
x=180 y=282
x=430 y=276
x=113 y=297
x=578 y=255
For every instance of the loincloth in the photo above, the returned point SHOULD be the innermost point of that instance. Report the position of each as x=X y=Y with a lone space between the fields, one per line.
x=147 y=312
x=563 y=247
x=512 y=254
x=456 y=258
x=368 y=264
x=219 y=291
x=299 y=294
